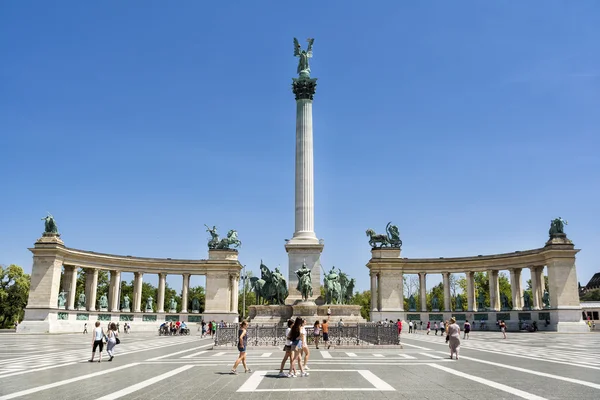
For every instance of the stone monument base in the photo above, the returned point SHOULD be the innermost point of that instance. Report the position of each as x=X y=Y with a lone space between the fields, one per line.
x=195 y=312
x=126 y=310
x=81 y=309
x=104 y=309
x=172 y=311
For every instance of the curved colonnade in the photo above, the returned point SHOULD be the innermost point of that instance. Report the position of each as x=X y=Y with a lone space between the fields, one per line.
x=222 y=271
x=558 y=255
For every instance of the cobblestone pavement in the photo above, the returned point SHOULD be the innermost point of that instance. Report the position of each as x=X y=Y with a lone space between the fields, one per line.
x=146 y=366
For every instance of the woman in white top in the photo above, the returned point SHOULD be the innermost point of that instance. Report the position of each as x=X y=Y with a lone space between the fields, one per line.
x=305 y=341
x=112 y=340
x=97 y=337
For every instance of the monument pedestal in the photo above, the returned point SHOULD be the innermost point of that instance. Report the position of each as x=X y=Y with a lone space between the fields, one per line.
x=304 y=251
x=126 y=310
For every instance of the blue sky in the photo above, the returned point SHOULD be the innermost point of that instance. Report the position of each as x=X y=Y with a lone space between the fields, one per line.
x=470 y=126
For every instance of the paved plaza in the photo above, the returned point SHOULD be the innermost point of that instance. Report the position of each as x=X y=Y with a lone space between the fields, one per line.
x=526 y=365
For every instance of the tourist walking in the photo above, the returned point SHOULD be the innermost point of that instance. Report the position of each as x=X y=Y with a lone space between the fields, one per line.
x=287 y=348
x=443 y=327
x=317 y=333
x=454 y=337
x=428 y=327
x=295 y=337
x=435 y=328
x=399 y=325
x=325 y=329
x=467 y=329
x=305 y=350
x=242 y=342
x=503 y=328
x=97 y=341
x=112 y=340
x=410 y=327
x=85 y=328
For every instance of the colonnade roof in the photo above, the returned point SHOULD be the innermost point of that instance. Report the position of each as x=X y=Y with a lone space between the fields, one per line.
x=518 y=259
x=91 y=259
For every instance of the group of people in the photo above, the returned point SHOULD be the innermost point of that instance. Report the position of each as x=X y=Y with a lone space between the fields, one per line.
x=99 y=338
x=173 y=328
x=210 y=328
x=296 y=348
x=126 y=327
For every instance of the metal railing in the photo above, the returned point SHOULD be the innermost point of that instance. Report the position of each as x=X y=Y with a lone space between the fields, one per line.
x=348 y=335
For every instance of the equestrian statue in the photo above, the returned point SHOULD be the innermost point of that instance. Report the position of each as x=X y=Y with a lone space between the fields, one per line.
x=390 y=239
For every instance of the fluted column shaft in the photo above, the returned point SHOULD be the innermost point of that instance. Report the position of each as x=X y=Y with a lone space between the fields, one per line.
x=236 y=293
x=92 y=275
x=137 y=291
x=114 y=291
x=161 y=292
x=537 y=283
x=515 y=286
x=72 y=288
x=184 y=293
x=423 y=290
x=374 y=291
x=447 y=302
x=304 y=171
x=471 y=304
x=494 y=290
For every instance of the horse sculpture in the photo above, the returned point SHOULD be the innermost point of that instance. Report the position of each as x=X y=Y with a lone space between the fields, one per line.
x=230 y=240
x=391 y=239
x=333 y=292
x=350 y=291
x=270 y=288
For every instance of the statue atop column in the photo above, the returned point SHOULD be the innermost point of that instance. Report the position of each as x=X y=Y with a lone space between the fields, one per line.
x=390 y=239
x=303 y=69
x=557 y=227
x=304 y=281
x=50 y=225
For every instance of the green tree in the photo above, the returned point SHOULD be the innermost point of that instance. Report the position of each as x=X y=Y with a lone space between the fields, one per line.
x=102 y=287
x=592 y=295
x=246 y=287
x=505 y=288
x=436 y=291
x=364 y=301
x=530 y=286
x=197 y=292
x=14 y=291
x=149 y=290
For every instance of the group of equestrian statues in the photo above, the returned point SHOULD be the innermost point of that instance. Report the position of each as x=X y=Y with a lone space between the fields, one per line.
x=271 y=287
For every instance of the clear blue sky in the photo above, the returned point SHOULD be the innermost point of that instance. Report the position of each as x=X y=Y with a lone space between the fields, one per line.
x=470 y=126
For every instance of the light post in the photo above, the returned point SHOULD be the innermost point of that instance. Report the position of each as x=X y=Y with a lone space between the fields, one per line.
x=244 y=277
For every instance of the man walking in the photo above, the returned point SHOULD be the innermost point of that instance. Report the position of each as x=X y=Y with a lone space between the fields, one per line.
x=85 y=328
x=410 y=327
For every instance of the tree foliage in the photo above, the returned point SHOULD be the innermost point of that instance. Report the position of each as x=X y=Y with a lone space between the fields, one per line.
x=197 y=292
x=14 y=291
x=592 y=295
x=364 y=301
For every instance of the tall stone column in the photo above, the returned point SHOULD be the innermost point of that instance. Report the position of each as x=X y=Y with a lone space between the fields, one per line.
x=423 y=290
x=72 y=287
x=114 y=290
x=304 y=247
x=380 y=283
x=92 y=275
x=161 y=292
x=535 y=284
x=515 y=286
x=494 y=290
x=184 y=293
x=137 y=291
x=374 y=296
x=539 y=272
x=471 y=304
x=447 y=302
x=236 y=292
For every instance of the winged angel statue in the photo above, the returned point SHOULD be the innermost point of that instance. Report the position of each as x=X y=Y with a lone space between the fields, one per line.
x=303 y=66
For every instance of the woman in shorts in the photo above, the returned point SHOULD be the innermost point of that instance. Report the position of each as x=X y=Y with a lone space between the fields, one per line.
x=296 y=338
x=242 y=342
x=97 y=341
x=317 y=333
x=304 y=338
x=287 y=348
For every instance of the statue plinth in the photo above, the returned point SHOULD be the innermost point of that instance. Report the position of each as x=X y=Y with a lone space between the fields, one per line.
x=195 y=312
x=172 y=311
x=148 y=310
x=48 y=238
x=104 y=309
x=559 y=239
x=81 y=309
x=385 y=252
x=126 y=310
x=62 y=308
x=223 y=254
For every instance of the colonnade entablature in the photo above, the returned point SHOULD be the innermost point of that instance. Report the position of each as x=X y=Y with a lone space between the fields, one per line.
x=49 y=297
x=387 y=268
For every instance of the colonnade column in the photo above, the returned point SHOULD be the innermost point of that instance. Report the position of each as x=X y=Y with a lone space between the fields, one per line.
x=447 y=302
x=374 y=291
x=236 y=289
x=161 y=292
x=541 y=285
x=379 y=291
x=494 y=290
x=72 y=288
x=537 y=282
x=91 y=275
x=137 y=291
x=515 y=286
x=114 y=291
x=423 y=290
x=471 y=304
x=184 y=293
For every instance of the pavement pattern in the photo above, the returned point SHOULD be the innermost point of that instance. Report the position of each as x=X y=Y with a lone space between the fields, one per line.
x=146 y=366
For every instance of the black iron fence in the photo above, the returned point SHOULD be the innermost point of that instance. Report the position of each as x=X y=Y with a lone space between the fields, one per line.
x=348 y=335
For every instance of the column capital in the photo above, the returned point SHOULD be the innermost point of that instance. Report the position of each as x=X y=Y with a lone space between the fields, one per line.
x=304 y=88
